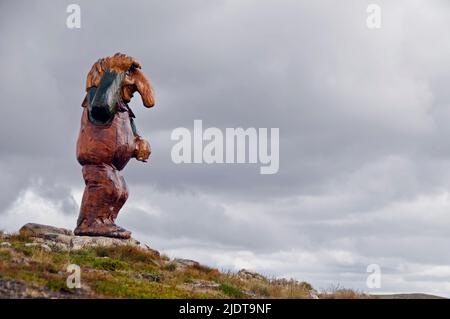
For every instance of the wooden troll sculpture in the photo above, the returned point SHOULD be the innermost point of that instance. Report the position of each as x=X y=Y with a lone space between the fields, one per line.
x=108 y=139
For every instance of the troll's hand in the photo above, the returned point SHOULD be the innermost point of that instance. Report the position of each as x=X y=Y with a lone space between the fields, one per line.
x=142 y=150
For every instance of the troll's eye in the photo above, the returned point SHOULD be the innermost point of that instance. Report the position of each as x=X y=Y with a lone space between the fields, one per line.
x=131 y=69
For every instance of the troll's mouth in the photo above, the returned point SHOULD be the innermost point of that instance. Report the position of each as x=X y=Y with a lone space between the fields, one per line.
x=100 y=115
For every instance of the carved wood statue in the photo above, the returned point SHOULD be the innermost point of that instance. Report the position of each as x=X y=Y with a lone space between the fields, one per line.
x=108 y=139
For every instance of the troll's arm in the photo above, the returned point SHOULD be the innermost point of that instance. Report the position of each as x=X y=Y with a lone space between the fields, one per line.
x=142 y=149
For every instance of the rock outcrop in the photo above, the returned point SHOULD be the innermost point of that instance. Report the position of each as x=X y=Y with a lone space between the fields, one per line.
x=183 y=263
x=245 y=274
x=49 y=237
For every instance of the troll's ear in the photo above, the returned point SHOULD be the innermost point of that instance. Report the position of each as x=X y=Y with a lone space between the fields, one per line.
x=85 y=102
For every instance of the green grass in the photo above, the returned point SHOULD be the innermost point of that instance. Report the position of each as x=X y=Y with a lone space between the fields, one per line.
x=170 y=267
x=57 y=283
x=27 y=251
x=232 y=291
x=89 y=258
x=127 y=254
x=5 y=255
x=126 y=287
x=109 y=264
x=27 y=276
x=130 y=272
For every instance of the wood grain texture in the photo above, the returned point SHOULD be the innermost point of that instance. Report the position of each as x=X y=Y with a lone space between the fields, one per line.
x=104 y=149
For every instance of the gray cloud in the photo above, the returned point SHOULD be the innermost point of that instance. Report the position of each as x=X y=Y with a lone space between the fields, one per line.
x=364 y=160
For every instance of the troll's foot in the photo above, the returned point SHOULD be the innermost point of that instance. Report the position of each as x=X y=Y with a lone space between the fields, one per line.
x=101 y=229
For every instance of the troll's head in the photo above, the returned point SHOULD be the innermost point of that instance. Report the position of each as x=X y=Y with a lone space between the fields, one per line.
x=112 y=80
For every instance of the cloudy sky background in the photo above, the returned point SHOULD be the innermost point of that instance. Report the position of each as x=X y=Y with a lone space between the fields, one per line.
x=364 y=136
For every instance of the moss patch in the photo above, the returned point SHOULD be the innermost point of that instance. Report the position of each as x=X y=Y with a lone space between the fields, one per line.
x=232 y=291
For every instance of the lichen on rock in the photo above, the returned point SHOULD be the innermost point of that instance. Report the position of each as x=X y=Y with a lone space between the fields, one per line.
x=64 y=239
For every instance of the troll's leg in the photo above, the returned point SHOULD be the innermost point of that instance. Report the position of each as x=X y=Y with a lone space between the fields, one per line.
x=104 y=195
x=122 y=195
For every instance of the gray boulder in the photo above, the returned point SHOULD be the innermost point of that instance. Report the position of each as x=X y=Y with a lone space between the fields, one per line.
x=38 y=230
x=64 y=239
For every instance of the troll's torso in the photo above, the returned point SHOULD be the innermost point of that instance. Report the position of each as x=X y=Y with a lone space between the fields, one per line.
x=111 y=144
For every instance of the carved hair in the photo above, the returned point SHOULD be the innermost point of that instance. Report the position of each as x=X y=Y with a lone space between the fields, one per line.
x=118 y=62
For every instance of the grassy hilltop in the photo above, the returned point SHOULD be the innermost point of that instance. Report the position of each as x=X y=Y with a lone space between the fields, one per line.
x=32 y=270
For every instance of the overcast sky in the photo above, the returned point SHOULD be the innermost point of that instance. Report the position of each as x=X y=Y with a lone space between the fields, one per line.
x=363 y=114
